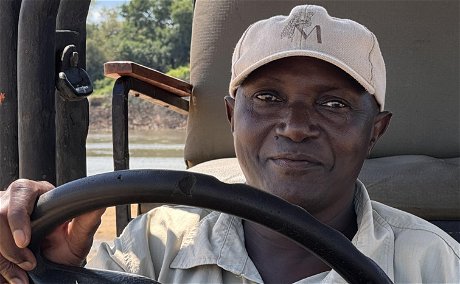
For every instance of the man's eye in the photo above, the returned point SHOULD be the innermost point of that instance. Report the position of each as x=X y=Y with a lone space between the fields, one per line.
x=334 y=104
x=268 y=97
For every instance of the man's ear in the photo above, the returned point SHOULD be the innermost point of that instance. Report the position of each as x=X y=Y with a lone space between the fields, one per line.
x=381 y=122
x=230 y=105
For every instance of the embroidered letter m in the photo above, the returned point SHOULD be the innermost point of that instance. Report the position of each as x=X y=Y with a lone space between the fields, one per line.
x=318 y=33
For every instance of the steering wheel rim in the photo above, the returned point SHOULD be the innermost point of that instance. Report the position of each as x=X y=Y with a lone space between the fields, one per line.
x=199 y=190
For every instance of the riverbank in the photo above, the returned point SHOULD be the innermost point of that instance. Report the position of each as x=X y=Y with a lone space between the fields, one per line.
x=142 y=115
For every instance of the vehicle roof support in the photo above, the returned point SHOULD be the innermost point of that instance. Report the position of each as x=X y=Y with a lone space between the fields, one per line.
x=43 y=134
x=9 y=156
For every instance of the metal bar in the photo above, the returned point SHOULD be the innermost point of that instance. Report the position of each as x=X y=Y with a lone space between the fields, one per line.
x=120 y=141
x=36 y=87
x=123 y=86
x=120 y=123
x=72 y=117
x=9 y=156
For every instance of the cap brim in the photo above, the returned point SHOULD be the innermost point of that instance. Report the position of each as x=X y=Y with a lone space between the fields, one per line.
x=236 y=82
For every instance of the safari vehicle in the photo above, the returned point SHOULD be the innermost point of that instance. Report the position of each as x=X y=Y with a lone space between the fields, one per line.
x=414 y=168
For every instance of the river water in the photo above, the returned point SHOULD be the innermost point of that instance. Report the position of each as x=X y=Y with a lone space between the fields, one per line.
x=155 y=149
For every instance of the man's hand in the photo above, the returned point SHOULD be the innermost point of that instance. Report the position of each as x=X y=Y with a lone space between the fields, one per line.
x=68 y=244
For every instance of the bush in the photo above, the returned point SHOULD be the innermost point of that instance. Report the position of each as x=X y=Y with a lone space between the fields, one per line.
x=103 y=87
x=181 y=72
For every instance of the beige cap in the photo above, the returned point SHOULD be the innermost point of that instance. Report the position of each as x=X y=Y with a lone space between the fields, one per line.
x=310 y=31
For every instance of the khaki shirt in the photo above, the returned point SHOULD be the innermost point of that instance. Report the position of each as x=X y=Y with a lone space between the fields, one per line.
x=183 y=244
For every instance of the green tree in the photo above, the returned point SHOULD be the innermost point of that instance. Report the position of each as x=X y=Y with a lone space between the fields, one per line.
x=181 y=15
x=181 y=72
x=102 y=41
x=147 y=16
x=155 y=33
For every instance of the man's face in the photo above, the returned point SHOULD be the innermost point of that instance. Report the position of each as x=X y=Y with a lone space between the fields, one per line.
x=302 y=129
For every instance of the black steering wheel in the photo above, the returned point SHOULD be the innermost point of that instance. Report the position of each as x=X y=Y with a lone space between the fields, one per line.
x=187 y=188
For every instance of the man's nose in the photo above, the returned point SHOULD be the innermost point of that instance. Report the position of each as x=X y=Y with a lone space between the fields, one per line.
x=298 y=124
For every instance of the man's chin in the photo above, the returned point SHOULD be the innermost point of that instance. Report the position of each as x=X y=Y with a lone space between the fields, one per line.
x=294 y=191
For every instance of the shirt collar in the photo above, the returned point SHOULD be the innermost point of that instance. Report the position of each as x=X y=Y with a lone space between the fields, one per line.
x=219 y=239
x=375 y=237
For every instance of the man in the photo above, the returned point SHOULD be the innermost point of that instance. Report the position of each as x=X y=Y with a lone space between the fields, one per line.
x=306 y=108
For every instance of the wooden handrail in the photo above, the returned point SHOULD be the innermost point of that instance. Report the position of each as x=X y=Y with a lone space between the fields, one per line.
x=116 y=69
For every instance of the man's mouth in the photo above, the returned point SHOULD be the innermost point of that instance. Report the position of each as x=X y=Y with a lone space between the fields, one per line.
x=295 y=161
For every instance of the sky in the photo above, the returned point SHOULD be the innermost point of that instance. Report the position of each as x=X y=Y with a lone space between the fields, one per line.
x=94 y=14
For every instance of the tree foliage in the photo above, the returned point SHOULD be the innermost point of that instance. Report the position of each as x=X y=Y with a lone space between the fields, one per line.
x=155 y=33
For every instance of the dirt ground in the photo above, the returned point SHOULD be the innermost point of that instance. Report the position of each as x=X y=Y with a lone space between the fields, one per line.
x=107 y=230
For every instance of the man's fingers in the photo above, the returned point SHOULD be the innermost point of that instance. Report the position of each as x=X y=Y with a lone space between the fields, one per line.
x=22 y=196
x=9 y=252
x=82 y=230
x=15 y=207
x=10 y=273
x=88 y=222
x=19 y=224
x=70 y=243
x=85 y=226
